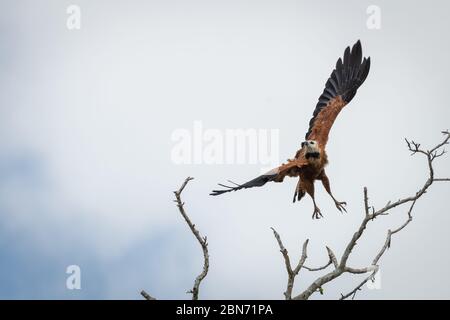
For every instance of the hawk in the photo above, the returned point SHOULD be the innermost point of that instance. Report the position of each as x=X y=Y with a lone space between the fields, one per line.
x=310 y=160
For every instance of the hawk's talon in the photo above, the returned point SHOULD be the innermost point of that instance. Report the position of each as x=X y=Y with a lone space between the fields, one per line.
x=341 y=206
x=317 y=214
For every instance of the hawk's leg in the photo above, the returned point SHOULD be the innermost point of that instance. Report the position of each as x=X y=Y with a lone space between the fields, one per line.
x=326 y=183
x=316 y=214
x=299 y=192
x=309 y=187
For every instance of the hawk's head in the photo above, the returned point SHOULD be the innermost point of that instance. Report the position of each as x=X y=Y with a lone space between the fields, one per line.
x=311 y=149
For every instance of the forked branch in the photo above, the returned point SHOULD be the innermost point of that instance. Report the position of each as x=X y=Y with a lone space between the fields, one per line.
x=370 y=214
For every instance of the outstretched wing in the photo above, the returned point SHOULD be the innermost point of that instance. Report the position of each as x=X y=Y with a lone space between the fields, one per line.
x=339 y=90
x=290 y=169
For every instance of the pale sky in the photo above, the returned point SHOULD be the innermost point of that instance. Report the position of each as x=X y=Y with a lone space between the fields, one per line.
x=87 y=119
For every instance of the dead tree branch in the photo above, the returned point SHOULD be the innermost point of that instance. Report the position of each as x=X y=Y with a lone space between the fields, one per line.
x=292 y=273
x=146 y=295
x=202 y=240
x=341 y=267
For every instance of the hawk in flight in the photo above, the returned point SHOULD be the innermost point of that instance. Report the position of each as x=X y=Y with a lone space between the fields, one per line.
x=310 y=160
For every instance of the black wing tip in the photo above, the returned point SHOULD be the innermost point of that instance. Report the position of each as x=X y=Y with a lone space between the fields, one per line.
x=349 y=72
x=257 y=182
x=227 y=189
x=218 y=192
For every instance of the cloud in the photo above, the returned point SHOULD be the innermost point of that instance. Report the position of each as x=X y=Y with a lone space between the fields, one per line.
x=85 y=145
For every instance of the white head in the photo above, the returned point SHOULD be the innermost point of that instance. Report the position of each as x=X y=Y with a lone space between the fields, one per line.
x=310 y=146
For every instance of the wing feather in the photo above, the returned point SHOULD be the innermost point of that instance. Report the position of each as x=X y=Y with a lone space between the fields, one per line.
x=291 y=168
x=341 y=87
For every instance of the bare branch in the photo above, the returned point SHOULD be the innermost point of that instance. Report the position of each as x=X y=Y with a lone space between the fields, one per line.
x=202 y=240
x=332 y=257
x=331 y=260
x=292 y=273
x=387 y=244
x=146 y=295
x=360 y=270
x=366 y=202
x=429 y=181
x=303 y=257
x=443 y=143
x=358 y=287
x=283 y=252
x=318 y=283
x=318 y=268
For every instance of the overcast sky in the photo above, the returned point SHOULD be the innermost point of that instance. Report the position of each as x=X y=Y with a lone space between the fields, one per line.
x=87 y=121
